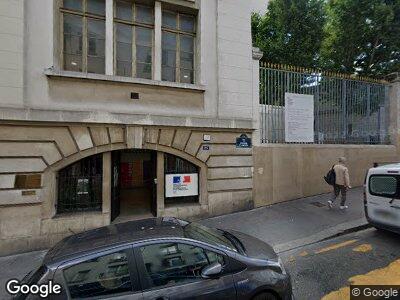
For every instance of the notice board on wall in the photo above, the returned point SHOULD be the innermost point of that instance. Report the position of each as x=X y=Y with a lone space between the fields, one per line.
x=181 y=185
x=299 y=118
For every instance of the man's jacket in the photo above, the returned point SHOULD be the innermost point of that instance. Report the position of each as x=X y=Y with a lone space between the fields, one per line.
x=342 y=175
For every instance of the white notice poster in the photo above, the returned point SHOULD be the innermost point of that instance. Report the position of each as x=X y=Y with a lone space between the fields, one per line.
x=299 y=118
x=181 y=185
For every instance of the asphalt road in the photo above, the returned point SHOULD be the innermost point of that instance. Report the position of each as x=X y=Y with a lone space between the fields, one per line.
x=324 y=270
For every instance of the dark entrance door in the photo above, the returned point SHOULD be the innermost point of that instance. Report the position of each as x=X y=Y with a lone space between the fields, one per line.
x=115 y=190
x=133 y=184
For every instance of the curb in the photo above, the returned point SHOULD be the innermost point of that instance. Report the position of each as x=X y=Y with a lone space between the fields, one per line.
x=324 y=235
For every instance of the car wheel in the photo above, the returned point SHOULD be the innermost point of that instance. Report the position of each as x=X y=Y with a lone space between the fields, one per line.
x=265 y=296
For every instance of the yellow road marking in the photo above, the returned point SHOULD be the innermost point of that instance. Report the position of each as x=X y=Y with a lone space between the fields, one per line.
x=335 y=246
x=389 y=275
x=304 y=253
x=363 y=248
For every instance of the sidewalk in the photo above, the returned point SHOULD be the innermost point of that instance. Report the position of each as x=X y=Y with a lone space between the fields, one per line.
x=285 y=226
x=296 y=223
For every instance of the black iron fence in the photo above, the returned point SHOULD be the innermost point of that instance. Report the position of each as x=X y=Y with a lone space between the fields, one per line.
x=346 y=110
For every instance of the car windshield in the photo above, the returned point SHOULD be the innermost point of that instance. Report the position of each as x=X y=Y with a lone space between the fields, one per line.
x=209 y=235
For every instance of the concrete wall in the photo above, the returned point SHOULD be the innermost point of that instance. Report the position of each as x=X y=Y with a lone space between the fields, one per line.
x=11 y=52
x=235 y=67
x=286 y=172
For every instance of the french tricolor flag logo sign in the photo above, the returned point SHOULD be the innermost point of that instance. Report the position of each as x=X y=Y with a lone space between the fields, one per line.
x=177 y=179
x=187 y=179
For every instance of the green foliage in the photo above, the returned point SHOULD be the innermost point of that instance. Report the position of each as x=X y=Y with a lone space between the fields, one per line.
x=362 y=36
x=290 y=32
x=352 y=36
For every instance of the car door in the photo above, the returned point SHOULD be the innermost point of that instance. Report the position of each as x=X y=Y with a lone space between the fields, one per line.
x=384 y=199
x=172 y=270
x=110 y=274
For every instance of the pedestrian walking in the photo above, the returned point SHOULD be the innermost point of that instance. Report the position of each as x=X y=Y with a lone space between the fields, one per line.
x=342 y=183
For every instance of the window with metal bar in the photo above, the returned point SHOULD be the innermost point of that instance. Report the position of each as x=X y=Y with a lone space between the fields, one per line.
x=178 y=45
x=83 y=30
x=80 y=186
x=134 y=39
x=177 y=165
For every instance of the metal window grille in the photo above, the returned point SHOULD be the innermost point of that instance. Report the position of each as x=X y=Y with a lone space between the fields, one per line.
x=346 y=110
x=80 y=186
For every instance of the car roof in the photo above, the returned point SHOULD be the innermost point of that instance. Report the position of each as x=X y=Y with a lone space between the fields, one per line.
x=113 y=235
x=384 y=168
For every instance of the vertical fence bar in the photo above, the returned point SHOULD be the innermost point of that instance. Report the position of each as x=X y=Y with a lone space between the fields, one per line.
x=345 y=110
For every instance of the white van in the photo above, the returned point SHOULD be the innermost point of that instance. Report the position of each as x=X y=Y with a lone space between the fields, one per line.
x=382 y=197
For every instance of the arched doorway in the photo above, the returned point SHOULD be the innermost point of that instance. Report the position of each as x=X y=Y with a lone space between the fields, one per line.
x=133 y=184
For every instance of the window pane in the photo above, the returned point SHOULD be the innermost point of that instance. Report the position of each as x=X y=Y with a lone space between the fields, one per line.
x=72 y=43
x=173 y=263
x=124 y=68
x=144 y=14
x=186 y=76
x=143 y=54
x=187 y=43
x=169 y=58
x=144 y=36
x=124 y=33
x=385 y=185
x=168 y=40
x=96 y=46
x=96 y=65
x=143 y=70
x=124 y=50
x=124 y=10
x=97 y=7
x=104 y=275
x=187 y=60
x=73 y=4
x=168 y=74
x=73 y=62
x=80 y=186
x=169 y=20
x=187 y=23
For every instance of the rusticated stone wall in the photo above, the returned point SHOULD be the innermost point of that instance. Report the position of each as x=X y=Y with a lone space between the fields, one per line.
x=31 y=154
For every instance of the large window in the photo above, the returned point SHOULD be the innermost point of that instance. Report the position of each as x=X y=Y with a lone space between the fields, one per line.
x=80 y=186
x=185 y=169
x=175 y=264
x=83 y=48
x=384 y=186
x=105 y=275
x=178 y=44
x=134 y=28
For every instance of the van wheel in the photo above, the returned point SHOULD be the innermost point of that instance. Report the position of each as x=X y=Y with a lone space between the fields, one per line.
x=265 y=296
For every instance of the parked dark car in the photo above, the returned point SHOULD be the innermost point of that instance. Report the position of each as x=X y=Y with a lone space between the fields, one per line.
x=163 y=258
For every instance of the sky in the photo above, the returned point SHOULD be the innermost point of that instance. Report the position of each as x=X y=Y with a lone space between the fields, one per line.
x=259 y=5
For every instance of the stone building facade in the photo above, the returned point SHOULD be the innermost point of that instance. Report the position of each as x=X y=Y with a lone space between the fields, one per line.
x=91 y=89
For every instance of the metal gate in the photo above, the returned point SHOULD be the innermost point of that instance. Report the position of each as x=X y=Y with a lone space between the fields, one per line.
x=346 y=110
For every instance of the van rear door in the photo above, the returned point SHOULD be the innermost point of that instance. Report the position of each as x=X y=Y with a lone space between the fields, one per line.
x=383 y=198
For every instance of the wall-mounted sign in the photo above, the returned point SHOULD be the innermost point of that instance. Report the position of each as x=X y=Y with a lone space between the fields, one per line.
x=243 y=141
x=299 y=118
x=206 y=147
x=206 y=137
x=181 y=185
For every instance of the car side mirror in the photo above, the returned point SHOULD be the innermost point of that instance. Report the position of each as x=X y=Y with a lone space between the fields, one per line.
x=211 y=270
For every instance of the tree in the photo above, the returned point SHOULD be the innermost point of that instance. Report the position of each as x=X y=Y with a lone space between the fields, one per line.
x=290 y=32
x=362 y=36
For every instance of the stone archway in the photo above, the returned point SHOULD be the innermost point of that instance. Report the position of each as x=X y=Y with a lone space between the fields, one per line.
x=27 y=210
